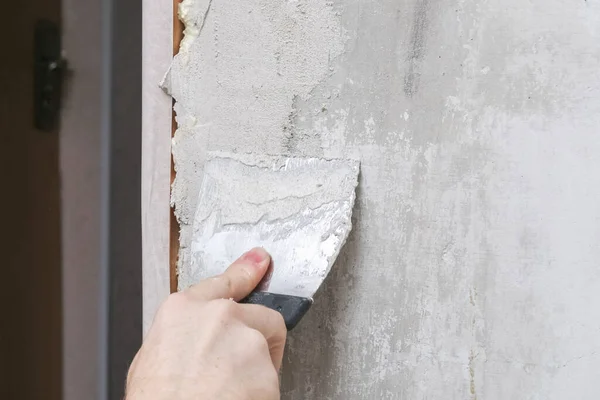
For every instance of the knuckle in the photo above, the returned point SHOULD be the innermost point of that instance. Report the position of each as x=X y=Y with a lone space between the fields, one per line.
x=174 y=303
x=276 y=322
x=224 y=309
x=256 y=342
x=279 y=323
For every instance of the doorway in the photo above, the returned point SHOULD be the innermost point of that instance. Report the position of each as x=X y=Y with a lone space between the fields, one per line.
x=30 y=332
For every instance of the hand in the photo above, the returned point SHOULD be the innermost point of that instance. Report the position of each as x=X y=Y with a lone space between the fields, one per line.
x=204 y=345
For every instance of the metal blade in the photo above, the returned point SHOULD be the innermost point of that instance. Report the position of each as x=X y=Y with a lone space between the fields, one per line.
x=298 y=209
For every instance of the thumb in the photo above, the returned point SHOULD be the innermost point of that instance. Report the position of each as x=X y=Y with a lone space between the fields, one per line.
x=238 y=280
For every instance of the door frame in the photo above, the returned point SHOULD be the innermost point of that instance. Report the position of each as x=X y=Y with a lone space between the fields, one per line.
x=157 y=118
x=100 y=163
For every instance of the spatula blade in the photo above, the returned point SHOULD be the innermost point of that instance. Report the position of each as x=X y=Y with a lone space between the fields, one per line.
x=298 y=209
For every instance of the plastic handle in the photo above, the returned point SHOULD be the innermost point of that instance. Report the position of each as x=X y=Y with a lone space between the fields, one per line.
x=292 y=308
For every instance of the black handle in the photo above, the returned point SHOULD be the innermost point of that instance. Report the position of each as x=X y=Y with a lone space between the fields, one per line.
x=292 y=308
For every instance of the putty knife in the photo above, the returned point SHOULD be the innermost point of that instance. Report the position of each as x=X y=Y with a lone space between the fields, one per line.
x=298 y=209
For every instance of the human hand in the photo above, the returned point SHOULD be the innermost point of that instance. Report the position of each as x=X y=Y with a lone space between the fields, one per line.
x=204 y=345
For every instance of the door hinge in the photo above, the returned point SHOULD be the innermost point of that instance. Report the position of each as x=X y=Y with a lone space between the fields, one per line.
x=48 y=75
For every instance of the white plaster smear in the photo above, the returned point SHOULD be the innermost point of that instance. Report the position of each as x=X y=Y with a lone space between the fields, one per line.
x=299 y=209
x=472 y=270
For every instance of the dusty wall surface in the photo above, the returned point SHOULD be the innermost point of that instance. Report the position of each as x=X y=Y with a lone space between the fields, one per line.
x=472 y=269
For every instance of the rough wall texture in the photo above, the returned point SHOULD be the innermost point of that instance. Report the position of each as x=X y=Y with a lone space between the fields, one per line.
x=472 y=270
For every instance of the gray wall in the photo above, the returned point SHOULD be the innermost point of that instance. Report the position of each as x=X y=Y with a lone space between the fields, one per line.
x=472 y=269
x=80 y=158
x=125 y=232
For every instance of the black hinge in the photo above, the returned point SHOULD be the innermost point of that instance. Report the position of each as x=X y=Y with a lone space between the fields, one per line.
x=49 y=69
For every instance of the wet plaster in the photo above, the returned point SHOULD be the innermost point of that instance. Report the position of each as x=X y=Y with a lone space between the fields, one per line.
x=299 y=208
x=472 y=268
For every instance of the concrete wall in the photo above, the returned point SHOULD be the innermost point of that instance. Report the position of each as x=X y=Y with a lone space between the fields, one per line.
x=472 y=269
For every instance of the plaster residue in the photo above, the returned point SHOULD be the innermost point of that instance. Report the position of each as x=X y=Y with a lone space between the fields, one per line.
x=472 y=266
x=240 y=67
x=298 y=208
x=193 y=14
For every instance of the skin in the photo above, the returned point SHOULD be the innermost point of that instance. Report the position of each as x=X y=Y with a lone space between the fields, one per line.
x=204 y=345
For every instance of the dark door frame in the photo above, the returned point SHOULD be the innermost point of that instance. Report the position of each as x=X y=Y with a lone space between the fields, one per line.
x=101 y=208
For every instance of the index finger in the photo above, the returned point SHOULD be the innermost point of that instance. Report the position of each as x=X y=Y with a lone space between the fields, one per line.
x=270 y=324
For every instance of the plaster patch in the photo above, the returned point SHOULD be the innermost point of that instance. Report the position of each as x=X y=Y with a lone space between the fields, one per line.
x=239 y=69
x=193 y=14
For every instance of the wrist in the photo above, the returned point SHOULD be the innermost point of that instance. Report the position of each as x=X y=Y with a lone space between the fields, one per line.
x=178 y=388
x=158 y=389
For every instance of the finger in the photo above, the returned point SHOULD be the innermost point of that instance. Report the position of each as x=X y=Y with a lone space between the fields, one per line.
x=238 y=280
x=268 y=322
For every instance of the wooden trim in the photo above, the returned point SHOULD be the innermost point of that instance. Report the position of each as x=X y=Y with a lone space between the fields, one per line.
x=177 y=27
x=174 y=225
